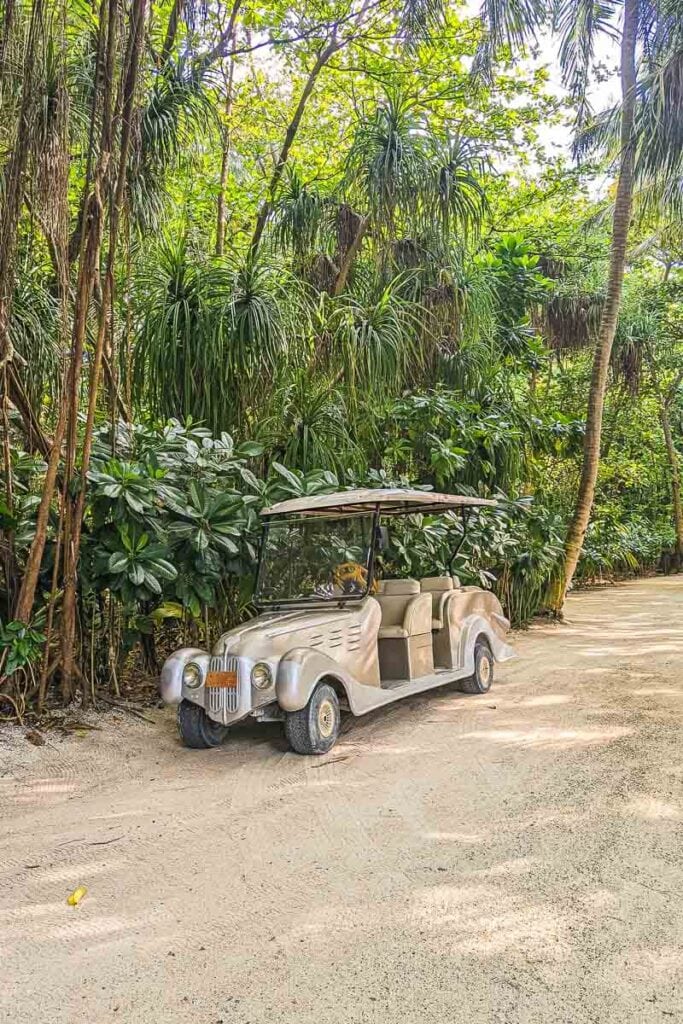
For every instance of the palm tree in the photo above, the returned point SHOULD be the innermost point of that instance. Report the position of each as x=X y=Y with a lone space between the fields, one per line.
x=650 y=147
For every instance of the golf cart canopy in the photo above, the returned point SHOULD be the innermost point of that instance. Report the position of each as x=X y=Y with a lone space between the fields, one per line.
x=385 y=501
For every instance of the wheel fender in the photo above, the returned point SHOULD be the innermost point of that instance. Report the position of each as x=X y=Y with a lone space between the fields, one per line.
x=298 y=674
x=171 y=680
x=473 y=627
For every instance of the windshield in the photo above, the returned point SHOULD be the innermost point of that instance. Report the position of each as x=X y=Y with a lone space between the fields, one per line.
x=314 y=559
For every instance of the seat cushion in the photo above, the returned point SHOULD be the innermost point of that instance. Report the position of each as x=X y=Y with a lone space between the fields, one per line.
x=393 y=633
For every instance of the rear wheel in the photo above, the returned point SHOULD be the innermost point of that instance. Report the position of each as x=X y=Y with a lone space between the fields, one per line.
x=482 y=679
x=196 y=729
x=314 y=729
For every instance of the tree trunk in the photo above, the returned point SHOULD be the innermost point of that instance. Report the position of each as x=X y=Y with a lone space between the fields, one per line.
x=57 y=230
x=675 y=467
x=92 y=223
x=171 y=30
x=220 y=50
x=349 y=257
x=36 y=438
x=664 y=400
x=74 y=519
x=225 y=163
x=13 y=185
x=29 y=582
x=323 y=57
x=610 y=314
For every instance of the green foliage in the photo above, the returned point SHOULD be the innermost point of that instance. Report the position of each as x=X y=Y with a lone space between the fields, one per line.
x=21 y=646
x=420 y=310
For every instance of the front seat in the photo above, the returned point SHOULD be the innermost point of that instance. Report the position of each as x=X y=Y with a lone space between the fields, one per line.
x=405 y=632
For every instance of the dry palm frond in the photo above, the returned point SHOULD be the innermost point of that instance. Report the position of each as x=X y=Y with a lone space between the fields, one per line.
x=348 y=223
x=322 y=272
x=571 y=322
x=627 y=365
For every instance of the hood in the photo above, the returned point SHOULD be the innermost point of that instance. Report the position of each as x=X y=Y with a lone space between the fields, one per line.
x=271 y=625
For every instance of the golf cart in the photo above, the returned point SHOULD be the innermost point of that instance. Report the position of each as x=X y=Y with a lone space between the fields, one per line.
x=329 y=636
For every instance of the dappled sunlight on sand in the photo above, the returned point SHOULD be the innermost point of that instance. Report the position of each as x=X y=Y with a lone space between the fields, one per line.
x=510 y=858
x=657 y=691
x=551 y=700
x=547 y=737
x=484 y=921
x=456 y=837
x=33 y=792
x=653 y=809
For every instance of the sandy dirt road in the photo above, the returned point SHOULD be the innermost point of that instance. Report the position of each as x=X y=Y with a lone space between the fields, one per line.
x=510 y=858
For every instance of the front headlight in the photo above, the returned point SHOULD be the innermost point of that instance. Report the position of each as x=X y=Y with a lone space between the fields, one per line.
x=192 y=676
x=261 y=676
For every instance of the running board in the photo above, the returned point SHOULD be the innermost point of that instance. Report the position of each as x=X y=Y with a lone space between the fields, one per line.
x=363 y=699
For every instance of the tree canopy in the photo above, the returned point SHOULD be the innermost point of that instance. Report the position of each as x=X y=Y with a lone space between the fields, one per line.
x=250 y=251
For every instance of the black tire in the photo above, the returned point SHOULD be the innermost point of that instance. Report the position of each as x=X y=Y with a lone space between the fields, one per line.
x=482 y=679
x=315 y=729
x=196 y=729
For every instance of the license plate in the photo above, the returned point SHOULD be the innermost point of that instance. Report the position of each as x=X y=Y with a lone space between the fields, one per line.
x=222 y=680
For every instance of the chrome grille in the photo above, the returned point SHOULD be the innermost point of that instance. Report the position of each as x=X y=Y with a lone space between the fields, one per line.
x=220 y=698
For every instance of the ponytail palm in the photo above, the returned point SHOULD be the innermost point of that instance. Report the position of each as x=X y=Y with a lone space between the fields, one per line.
x=376 y=342
x=410 y=177
x=388 y=160
x=308 y=427
x=211 y=334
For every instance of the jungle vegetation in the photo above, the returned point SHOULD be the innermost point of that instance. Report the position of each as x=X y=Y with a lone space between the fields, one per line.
x=250 y=250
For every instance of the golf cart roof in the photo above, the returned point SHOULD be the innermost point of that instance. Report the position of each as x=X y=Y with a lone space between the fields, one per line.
x=387 y=501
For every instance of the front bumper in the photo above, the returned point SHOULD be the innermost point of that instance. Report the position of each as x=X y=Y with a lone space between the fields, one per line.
x=222 y=704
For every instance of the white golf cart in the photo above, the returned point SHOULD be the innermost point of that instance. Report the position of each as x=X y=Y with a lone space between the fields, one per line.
x=329 y=636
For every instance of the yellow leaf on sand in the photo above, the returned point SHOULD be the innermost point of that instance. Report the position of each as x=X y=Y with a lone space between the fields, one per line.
x=76 y=896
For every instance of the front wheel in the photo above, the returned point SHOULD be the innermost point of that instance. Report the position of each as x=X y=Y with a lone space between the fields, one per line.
x=482 y=679
x=314 y=729
x=196 y=729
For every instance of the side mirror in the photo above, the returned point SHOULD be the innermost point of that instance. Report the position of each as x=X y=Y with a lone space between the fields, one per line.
x=382 y=538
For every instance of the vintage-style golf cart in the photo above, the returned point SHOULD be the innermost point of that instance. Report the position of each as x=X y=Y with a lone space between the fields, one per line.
x=330 y=636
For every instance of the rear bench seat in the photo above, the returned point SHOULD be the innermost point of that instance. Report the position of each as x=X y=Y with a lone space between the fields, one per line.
x=405 y=633
x=442 y=590
x=439 y=587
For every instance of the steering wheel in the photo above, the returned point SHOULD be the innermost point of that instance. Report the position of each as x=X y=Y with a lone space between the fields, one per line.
x=352 y=578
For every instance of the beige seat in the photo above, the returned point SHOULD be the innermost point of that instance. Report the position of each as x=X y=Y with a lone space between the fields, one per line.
x=405 y=640
x=444 y=592
x=439 y=587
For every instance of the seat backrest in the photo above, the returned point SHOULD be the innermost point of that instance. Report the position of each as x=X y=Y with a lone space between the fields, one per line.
x=437 y=586
x=394 y=598
x=397 y=598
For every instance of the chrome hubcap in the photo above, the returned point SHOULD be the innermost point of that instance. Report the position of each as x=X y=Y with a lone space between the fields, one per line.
x=484 y=671
x=326 y=718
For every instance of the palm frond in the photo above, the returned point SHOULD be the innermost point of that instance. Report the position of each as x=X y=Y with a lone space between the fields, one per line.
x=459 y=196
x=658 y=121
x=298 y=214
x=388 y=159
x=376 y=340
x=507 y=23
x=579 y=23
x=308 y=426
x=419 y=19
